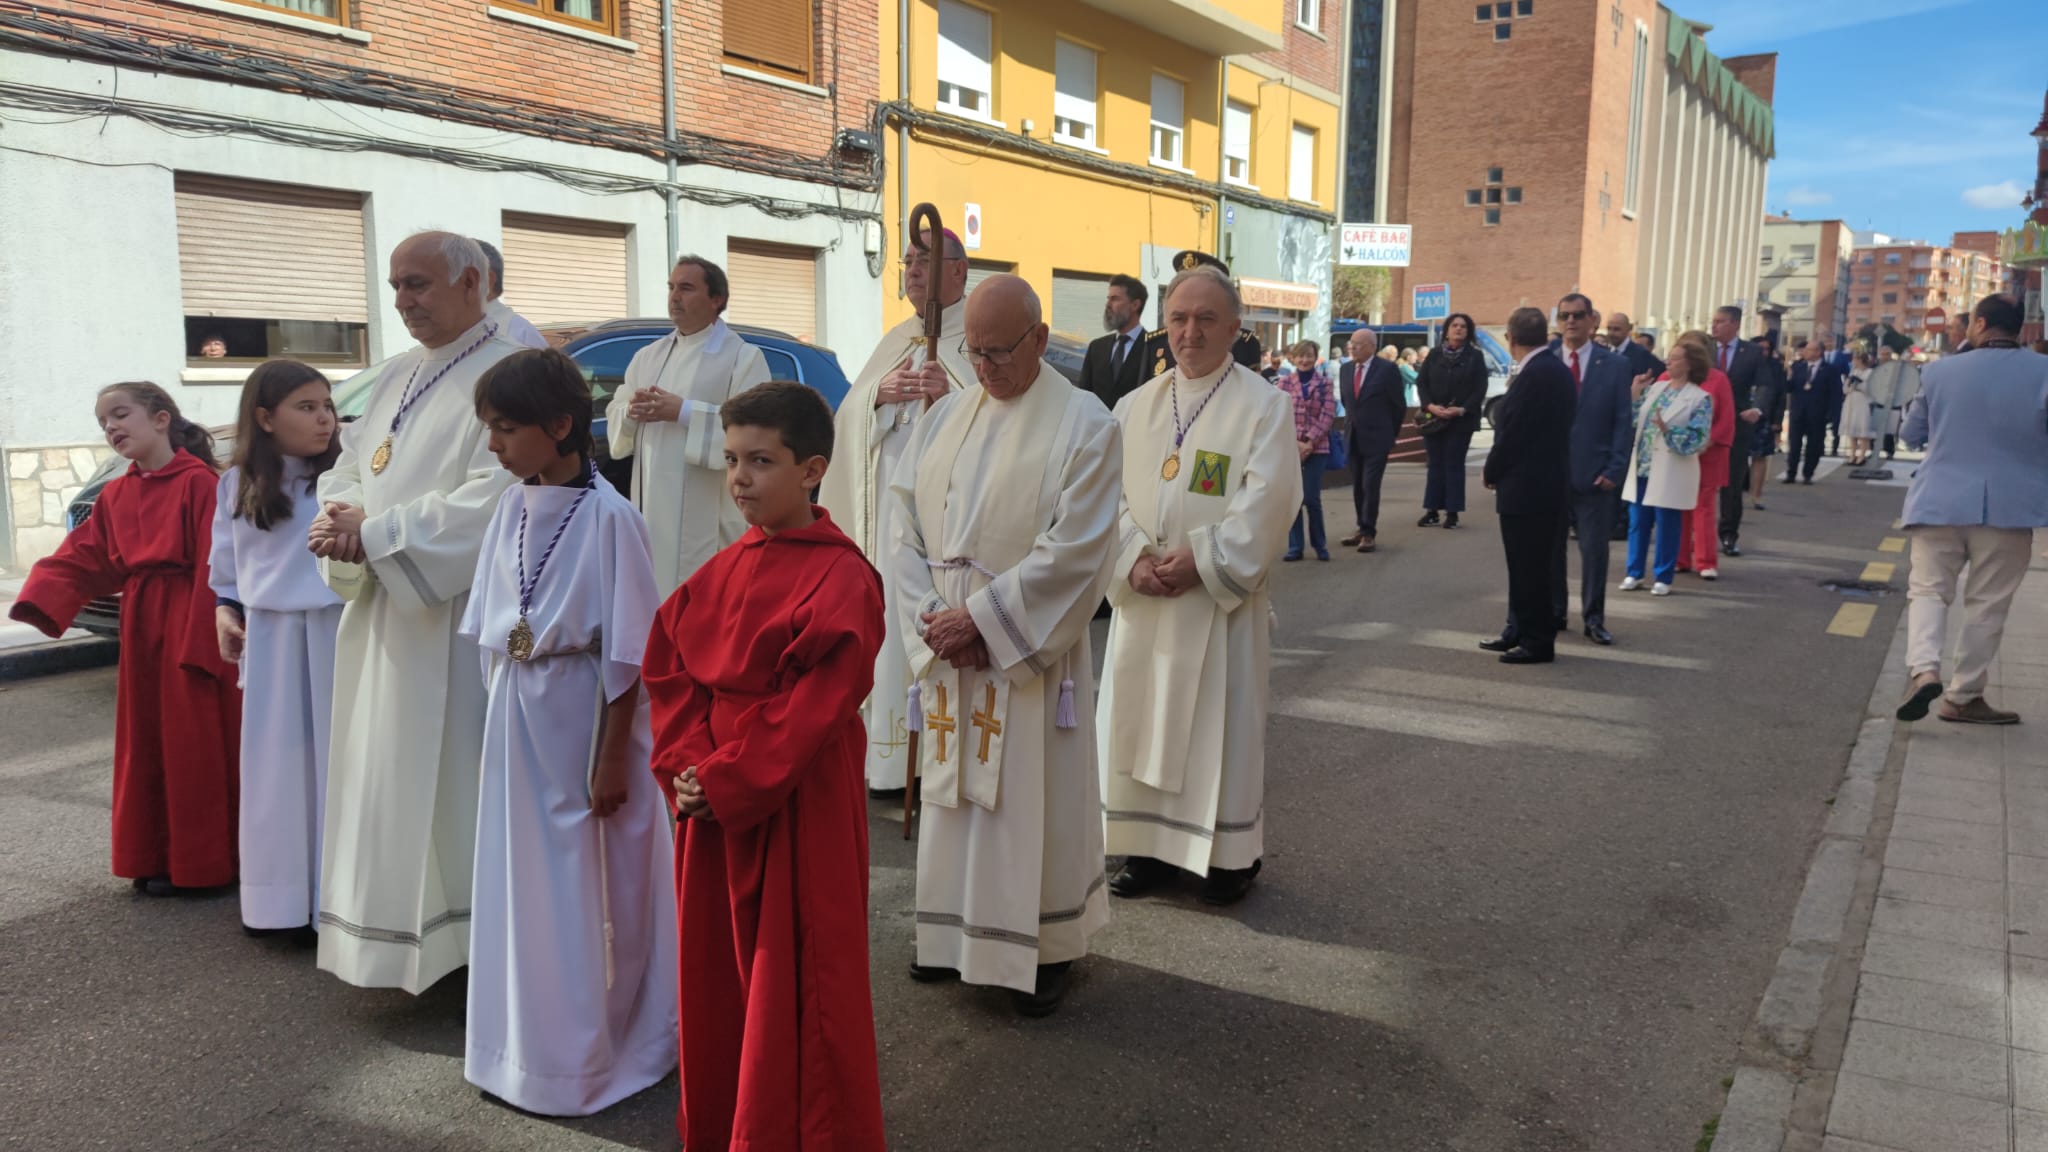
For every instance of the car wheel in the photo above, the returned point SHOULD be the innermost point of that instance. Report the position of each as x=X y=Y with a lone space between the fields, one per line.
x=1486 y=413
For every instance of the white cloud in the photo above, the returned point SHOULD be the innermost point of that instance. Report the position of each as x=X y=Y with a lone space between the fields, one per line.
x=2004 y=194
x=1804 y=197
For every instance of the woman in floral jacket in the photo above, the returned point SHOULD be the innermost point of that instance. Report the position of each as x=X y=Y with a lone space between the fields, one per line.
x=1674 y=418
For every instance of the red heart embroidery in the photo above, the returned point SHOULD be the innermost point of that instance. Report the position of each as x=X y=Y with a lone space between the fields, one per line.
x=1208 y=484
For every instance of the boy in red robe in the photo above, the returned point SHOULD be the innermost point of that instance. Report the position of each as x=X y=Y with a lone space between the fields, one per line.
x=756 y=669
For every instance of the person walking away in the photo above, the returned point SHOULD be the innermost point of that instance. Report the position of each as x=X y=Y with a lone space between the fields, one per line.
x=276 y=618
x=176 y=708
x=1814 y=390
x=1740 y=361
x=1451 y=386
x=1314 y=409
x=1974 y=504
x=1529 y=471
x=1375 y=404
x=1674 y=419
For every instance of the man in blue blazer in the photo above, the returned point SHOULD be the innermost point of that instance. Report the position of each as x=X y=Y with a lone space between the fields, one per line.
x=1814 y=392
x=1375 y=403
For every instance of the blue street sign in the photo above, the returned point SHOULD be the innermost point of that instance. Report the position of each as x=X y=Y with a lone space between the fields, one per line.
x=1432 y=302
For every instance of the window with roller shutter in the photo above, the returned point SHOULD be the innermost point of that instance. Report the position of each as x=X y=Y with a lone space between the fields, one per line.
x=774 y=35
x=271 y=270
x=564 y=271
x=773 y=286
x=1077 y=300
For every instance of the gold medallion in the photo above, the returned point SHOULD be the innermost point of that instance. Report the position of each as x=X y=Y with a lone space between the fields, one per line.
x=381 y=458
x=519 y=645
x=1171 y=468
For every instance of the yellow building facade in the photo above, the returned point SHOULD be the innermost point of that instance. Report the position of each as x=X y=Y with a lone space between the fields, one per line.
x=1071 y=140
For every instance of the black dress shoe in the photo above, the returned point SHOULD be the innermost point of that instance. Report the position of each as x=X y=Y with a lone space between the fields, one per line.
x=1564 y=625
x=1806 y=480
x=1429 y=520
x=1451 y=520
x=885 y=793
x=1500 y=644
x=1599 y=635
x=1731 y=548
x=1139 y=875
x=932 y=974
x=1228 y=885
x=1524 y=656
x=1788 y=478
x=157 y=886
x=1045 y=999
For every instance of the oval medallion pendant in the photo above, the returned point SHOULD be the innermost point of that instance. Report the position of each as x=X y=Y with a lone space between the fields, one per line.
x=381 y=458
x=1171 y=468
x=519 y=645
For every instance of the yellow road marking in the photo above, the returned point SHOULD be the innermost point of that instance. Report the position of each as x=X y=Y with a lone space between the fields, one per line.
x=1892 y=544
x=1852 y=620
x=1878 y=571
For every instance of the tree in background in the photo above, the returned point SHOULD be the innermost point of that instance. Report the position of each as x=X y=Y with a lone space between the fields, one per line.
x=1357 y=292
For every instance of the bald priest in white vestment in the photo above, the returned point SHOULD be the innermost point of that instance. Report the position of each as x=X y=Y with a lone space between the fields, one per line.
x=1211 y=480
x=665 y=416
x=1005 y=509
x=409 y=499
x=900 y=381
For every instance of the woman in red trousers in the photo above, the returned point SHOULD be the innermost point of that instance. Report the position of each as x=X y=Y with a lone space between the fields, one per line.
x=1699 y=548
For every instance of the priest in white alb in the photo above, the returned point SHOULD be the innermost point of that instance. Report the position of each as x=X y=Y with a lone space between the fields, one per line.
x=665 y=416
x=1211 y=481
x=408 y=501
x=874 y=422
x=500 y=313
x=1005 y=510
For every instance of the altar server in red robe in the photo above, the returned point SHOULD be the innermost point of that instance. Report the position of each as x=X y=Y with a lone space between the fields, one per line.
x=178 y=712
x=756 y=670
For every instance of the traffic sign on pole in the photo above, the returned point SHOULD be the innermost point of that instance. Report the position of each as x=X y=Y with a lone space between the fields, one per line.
x=1432 y=302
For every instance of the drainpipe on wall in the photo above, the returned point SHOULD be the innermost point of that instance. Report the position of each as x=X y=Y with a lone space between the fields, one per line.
x=1222 y=164
x=668 y=131
x=903 y=132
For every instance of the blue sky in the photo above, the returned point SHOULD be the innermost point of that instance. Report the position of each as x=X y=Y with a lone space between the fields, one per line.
x=1910 y=117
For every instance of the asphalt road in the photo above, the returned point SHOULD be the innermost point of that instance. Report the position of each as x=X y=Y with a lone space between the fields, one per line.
x=1503 y=909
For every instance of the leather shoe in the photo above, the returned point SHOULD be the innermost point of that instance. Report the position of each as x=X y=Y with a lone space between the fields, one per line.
x=1500 y=644
x=1044 y=999
x=932 y=974
x=1524 y=656
x=1369 y=544
x=1228 y=885
x=1139 y=875
x=1599 y=635
x=1730 y=548
x=1352 y=541
x=1429 y=520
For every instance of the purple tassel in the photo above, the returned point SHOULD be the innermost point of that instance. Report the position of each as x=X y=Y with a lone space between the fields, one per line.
x=915 y=707
x=1064 y=716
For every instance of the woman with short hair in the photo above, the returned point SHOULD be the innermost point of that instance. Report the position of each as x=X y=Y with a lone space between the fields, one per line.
x=1674 y=418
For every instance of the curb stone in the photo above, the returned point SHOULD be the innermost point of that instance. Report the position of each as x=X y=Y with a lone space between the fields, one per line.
x=57 y=656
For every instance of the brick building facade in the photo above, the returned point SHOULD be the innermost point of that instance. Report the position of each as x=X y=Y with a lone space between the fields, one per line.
x=1914 y=287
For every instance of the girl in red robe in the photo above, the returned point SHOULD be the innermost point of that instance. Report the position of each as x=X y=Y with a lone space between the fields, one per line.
x=177 y=710
x=756 y=669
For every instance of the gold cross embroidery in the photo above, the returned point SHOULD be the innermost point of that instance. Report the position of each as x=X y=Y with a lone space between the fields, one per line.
x=986 y=719
x=941 y=723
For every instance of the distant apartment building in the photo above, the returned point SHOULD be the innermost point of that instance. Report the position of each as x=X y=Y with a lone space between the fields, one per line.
x=1539 y=147
x=1803 y=272
x=1914 y=287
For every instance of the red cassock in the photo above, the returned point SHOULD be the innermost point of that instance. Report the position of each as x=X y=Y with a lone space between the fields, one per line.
x=177 y=715
x=756 y=669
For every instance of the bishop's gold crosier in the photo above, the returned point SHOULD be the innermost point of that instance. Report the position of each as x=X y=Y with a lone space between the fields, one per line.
x=381 y=458
x=1171 y=468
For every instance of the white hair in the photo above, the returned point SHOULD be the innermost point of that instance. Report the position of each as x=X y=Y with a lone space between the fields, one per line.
x=1213 y=275
x=461 y=253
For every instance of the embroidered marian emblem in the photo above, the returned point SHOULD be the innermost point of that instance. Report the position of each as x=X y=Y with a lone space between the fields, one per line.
x=1212 y=475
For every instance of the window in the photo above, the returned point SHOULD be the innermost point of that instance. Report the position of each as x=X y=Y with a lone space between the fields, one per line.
x=562 y=270
x=1301 y=164
x=1891 y=277
x=1237 y=143
x=1638 y=97
x=966 y=78
x=331 y=11
x=1514 y=195
x=1493 y=175
x=1503 y=10
x=1863 y=299
x=1891 y=297
x=1802 y=254
x=1493 y=195
x=1769 y=254
x=1073 y=96
x=1799 y=296
x=770 y=34
x=1472 y=197
x=1918 y=301
x=1485 y=13
x=1492 y=216
x=1920 y=280
x=1309 y=14
x=1863 y=279
x=1525 y=7
x=1503 y=31
x=597 y=15
x=1867 y=258
x=313 y=307
x=1891 y=257
x=1168 y=95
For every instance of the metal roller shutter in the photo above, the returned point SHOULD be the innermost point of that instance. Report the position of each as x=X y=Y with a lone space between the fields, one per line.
x=772 y=33
x=1077 y=300
x=773 y=286
x=979 y=270
x=270 y=251
x=562 y=271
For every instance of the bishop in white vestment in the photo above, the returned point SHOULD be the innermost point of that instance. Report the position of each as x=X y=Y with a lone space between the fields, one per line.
x=870 y=431
x=1005 y=509
x=409 y=498
x=1211 y=481
x=665 y=416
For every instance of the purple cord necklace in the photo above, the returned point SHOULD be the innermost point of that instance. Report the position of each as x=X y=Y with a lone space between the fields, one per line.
x=381 y=458
x=519 y=644
x=1171 y=468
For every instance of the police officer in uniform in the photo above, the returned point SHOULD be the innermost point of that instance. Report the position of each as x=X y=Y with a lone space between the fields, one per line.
x=1246 y=349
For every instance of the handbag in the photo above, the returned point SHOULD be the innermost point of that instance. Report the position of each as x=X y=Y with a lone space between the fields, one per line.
x=1340 y=458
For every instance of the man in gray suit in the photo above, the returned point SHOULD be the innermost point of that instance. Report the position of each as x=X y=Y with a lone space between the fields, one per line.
x=1973 y=504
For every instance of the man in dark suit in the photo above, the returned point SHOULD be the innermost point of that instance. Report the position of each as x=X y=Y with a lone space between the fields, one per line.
x=1529 y=470
x=1814 y=392
x=1740 y=360
x=1375 y=403
x=1603 y=428
x=1115 y=364
x=1621 y=338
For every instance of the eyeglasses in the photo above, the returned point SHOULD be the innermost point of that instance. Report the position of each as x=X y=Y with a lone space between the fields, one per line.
x=1575 y=314
x=999 y=357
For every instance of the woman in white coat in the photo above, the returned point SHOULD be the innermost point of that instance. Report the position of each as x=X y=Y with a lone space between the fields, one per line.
x=1674 y=417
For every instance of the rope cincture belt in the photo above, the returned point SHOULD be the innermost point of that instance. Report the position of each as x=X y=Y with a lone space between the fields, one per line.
x=1063 y=715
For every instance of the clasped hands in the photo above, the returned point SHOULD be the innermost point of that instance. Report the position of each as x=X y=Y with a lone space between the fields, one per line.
x=953 y=637
x=1169 y=574
x=905 y=384
x=337 y=533
x=652 y=406
x=691 y=803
